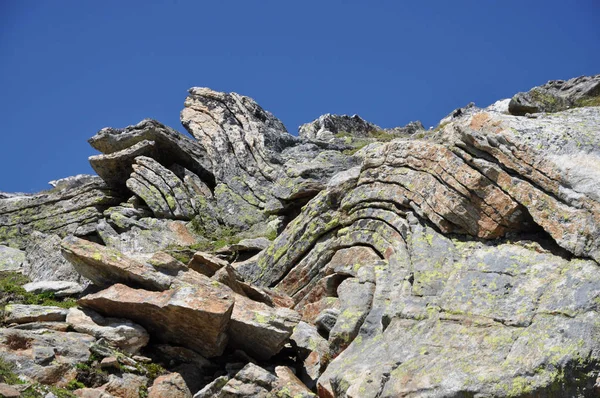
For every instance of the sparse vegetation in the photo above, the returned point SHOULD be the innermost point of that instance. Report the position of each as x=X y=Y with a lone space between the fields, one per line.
x=11 y=291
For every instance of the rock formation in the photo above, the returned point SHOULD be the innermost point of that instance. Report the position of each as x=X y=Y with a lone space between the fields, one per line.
x=348 y=261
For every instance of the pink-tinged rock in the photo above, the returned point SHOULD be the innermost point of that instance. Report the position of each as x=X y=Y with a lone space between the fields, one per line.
x=171 y=385
x=193 y=316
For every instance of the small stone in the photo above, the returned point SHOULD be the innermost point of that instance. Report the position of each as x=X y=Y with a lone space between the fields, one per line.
x=171 y=385
x=9 y=391
x=109 y=362
x=141 y=359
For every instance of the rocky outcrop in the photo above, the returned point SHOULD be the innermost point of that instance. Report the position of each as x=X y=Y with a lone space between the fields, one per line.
x=558 y=95
x=149 y=138
x=327 y=126
x=66 y=209
x=352 y=261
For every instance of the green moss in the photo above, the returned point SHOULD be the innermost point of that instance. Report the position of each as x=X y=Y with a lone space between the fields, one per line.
x=7 y=374
x=75 y=385
x=11 y=289
x=594 y=101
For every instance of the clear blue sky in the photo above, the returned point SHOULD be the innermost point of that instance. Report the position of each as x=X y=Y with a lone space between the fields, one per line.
x=69 y=68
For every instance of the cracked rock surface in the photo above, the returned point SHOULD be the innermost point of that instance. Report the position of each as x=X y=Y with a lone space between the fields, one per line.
x=351 y=261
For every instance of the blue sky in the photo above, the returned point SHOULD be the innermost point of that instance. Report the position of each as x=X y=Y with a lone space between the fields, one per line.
x=69 y=68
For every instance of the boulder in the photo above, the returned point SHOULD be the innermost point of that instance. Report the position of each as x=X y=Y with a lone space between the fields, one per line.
x=44 y=262
x=105 y=266
x=260 y=330
x=206 y=263
x=120 y=333
x=288 y=385
x=56 y=288
x=11 y=259
x=169 y=385
x=45 y=356
x=8 y=391
x=126 y=385
x=193 y=316
x=23 y=313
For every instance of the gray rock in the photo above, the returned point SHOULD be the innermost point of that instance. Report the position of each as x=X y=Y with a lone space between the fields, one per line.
x=66 y=209
x=327 y=126
x=148 y=138
x=558 y=95
x=212 y=389
x=57 y=288
x=32 y=351
x=105 y=266
x=165 y=194
x=11 y=259
x=120 y=333
x=45 y=263
x=24 y=313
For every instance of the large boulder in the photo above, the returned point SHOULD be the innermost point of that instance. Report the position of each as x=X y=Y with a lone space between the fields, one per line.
x=194 y=316
x=105 y=266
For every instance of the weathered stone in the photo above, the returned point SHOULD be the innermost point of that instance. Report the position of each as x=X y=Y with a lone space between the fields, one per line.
x=57 y=326
x=165 y=194
x=558 y=95
x=148 y=138
x=166 y=263
x=206 y=263
x=8 y=391
x=62 y=211
x=44 y=356
x=212 y=389
x=44 y=261
x=194 y=316
x=288 y=385
x=245 y=245
x=23 y=313
x=312 y=349
x=227 y=276
x=121 y=333
x=170 y=385
x=57 y=288
x=149 y=235
x=126 y=385
x=109 y=363
x=92 y=393
x=260 y=330
x=104 y=266
x=196 y=370
x=11 y=259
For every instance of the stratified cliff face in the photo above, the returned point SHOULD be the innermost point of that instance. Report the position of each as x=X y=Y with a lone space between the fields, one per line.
x=351 y=261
